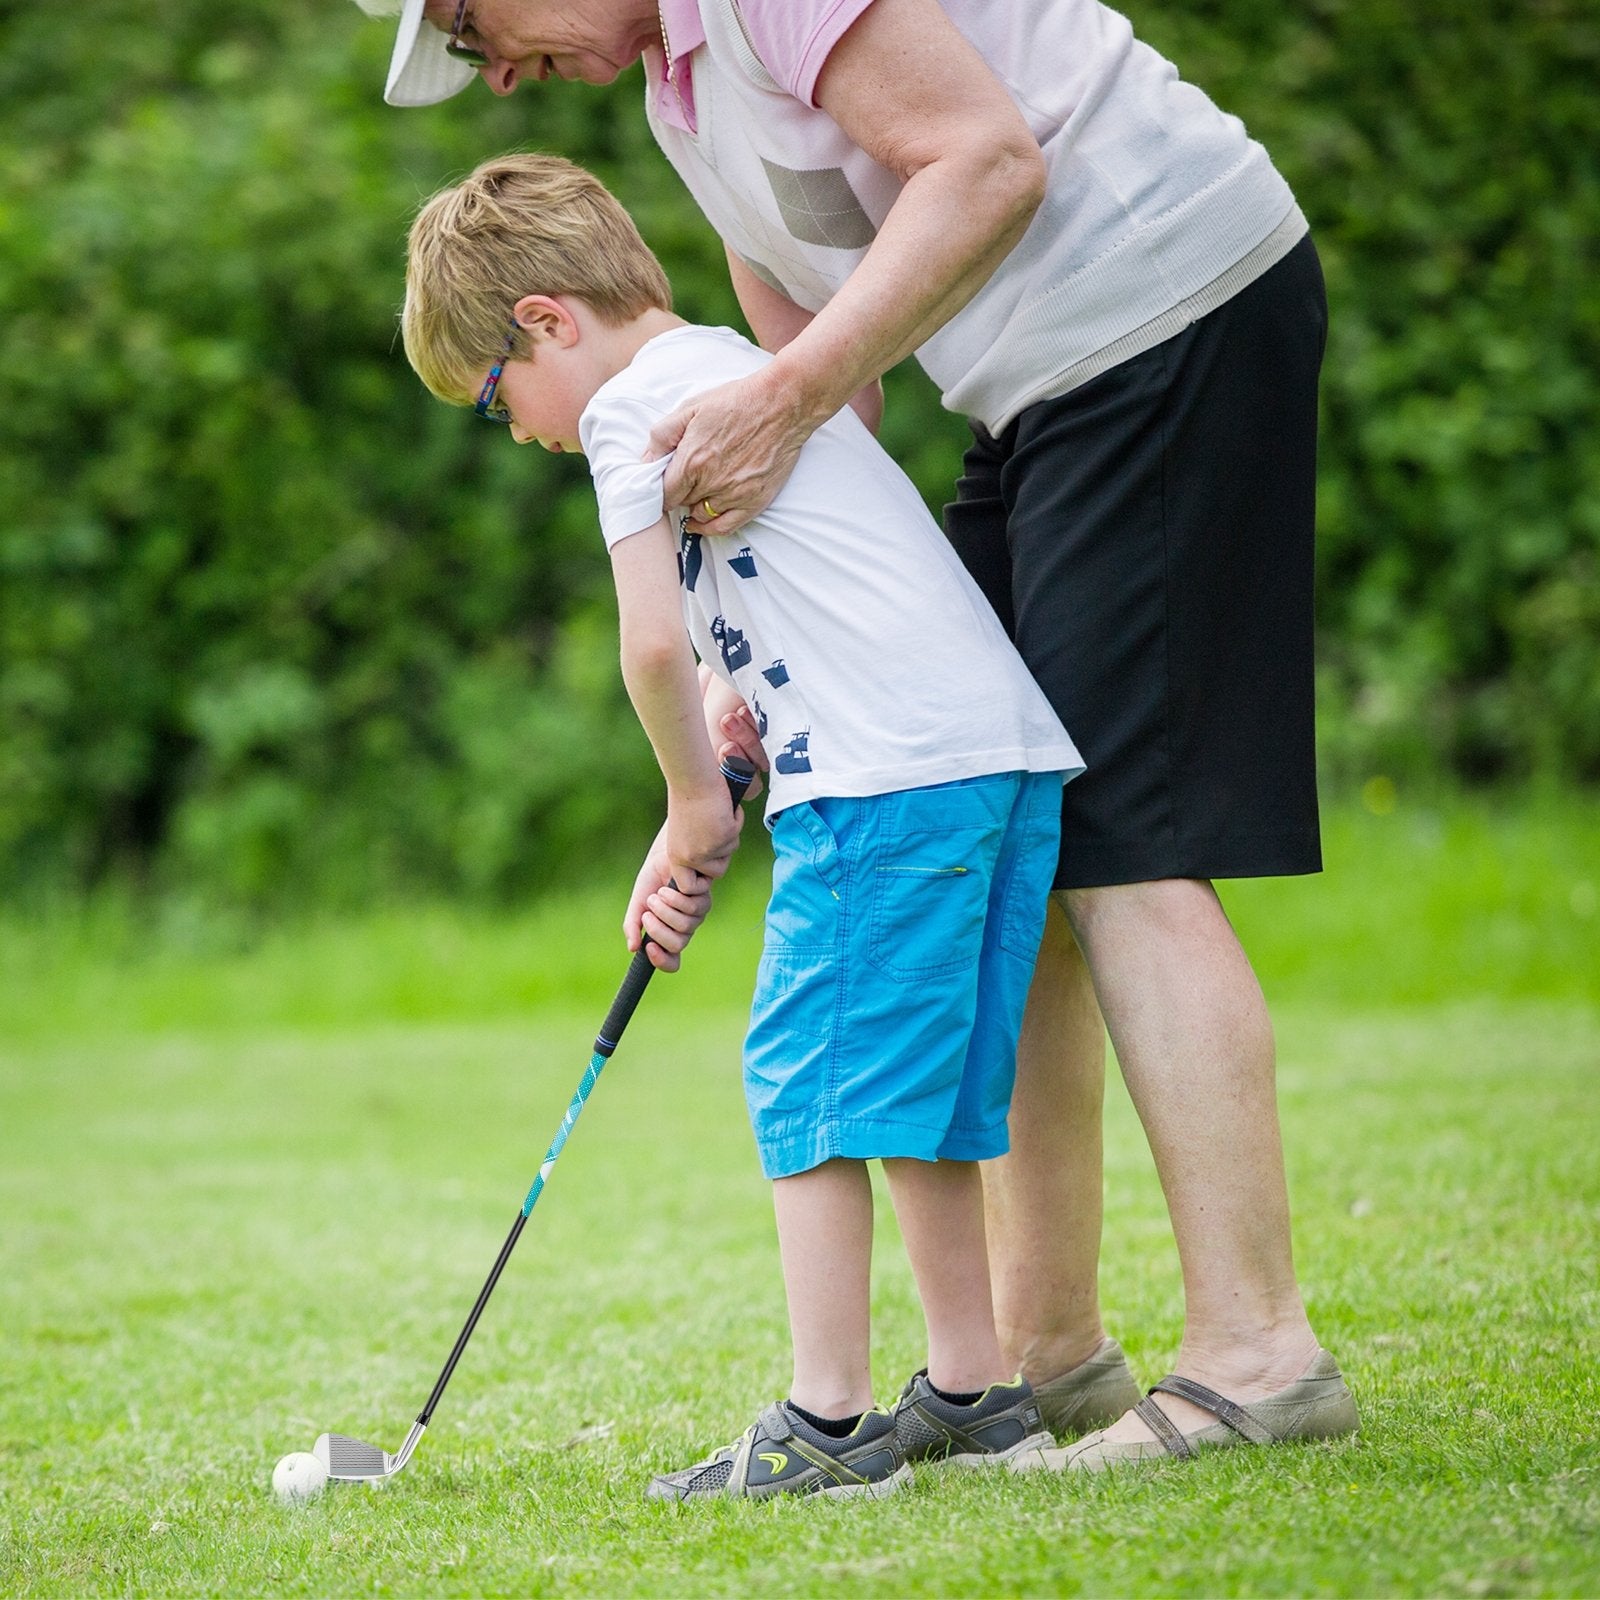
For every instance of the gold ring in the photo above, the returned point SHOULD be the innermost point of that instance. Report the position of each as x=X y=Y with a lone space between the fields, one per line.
x=710 y=510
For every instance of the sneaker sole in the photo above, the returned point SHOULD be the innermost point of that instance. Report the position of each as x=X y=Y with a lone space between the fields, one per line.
x=879 y=1489
x=1021 y=1457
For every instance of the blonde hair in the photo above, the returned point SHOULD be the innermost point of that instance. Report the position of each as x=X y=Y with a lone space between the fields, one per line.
x=520 y=224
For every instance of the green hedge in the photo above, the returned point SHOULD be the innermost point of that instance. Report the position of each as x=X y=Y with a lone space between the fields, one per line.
x=1448 y=156
x=274 y=624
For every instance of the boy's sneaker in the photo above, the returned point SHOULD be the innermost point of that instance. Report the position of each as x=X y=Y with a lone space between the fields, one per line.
x=781 y=1453
x=1001 y=1428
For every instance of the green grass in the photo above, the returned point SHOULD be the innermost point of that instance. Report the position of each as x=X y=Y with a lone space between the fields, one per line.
x=248 y=1189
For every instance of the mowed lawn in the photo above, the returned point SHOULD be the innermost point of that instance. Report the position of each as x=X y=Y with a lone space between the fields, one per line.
x=249 y=1196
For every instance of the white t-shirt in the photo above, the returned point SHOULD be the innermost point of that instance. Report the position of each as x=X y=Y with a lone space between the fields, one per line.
x=871 y=660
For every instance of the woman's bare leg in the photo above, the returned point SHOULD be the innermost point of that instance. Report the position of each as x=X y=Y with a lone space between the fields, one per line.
x=1195 y=1045
x=1044 y=1199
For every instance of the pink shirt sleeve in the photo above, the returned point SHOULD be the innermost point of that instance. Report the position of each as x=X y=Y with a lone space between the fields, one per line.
x=793 y=37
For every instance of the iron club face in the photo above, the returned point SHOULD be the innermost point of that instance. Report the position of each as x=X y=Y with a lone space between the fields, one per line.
x=352 y=1461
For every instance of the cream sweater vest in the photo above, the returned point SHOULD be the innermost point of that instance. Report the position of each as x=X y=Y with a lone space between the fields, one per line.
x=1159 y=207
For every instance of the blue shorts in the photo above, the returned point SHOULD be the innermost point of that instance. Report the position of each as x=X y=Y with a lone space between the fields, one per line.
x=900 y=943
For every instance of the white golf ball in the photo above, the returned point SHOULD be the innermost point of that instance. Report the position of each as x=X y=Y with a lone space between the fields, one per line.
x=299 y=1476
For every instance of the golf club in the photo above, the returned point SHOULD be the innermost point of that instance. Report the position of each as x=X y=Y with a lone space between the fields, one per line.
x=353 y=1461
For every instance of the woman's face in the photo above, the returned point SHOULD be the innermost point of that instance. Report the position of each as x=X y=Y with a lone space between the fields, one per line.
x=587 y=40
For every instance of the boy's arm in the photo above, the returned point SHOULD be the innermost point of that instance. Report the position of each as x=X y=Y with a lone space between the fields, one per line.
x=730 y=725
x=669 y=916
x=658 y=667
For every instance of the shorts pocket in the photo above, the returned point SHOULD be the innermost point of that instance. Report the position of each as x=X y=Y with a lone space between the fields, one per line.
x=796 y=992
x=804 y=908
x=1029 y=865
x=930 y=896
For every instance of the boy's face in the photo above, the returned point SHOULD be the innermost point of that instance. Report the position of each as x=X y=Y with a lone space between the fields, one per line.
x=545 y=397
x=546 y=392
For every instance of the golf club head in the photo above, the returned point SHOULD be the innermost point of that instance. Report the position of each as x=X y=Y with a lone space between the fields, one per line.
x=352 y=1461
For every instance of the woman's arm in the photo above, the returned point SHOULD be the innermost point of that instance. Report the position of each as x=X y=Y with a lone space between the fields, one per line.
x=905 y=85
x=775 y=320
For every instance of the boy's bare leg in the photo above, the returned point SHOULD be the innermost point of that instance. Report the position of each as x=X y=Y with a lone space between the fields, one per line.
x=940 y=1207
x=825 y=1237
x=1192 y=1036
x=1044 y=1198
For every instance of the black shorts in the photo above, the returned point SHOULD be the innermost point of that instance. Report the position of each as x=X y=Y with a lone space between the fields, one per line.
x=1147 y=539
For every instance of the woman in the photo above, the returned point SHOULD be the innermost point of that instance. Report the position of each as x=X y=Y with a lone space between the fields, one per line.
x=1108 y=277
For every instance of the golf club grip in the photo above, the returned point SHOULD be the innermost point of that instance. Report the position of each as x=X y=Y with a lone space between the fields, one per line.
x=738 y=774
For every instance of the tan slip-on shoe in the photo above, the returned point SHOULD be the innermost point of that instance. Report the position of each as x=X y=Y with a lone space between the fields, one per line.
x=1092 y=1394
x=1317 y=1405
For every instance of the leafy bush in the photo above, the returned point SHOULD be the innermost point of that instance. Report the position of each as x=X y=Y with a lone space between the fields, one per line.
x=273 y=623
x=271 y=618
x=1449 y=159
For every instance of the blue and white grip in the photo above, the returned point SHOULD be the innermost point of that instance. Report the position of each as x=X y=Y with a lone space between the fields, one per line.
x=590 y=1078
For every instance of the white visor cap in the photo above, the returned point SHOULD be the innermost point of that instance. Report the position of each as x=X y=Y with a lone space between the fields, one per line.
x=421 y=72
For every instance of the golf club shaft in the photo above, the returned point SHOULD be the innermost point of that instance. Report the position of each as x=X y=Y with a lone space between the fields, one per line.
x=738 y=774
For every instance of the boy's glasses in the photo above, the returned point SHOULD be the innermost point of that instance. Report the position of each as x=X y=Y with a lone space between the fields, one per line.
x=486 y=406
x=453 y=45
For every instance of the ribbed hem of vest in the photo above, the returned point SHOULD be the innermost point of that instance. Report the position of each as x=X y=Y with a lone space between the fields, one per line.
x=1158 y=330
x=1041 y=354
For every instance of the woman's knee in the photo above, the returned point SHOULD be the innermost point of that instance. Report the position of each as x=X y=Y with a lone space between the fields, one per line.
x=1164 y=907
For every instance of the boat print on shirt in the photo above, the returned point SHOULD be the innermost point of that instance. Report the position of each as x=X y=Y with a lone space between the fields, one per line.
x=795 y=756
x=732 y=643
x=744 y=564
x=690 y=556
x=777 y=674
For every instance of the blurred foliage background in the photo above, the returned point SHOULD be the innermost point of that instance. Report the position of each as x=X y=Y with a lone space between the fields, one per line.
x=277 y=628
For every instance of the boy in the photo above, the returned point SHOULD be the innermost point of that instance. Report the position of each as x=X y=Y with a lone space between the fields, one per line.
x=914 y=804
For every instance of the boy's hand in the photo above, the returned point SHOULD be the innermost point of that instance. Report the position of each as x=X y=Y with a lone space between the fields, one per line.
x=672 y=893
x=702 y=834
x=667 y=915
x=738 y=730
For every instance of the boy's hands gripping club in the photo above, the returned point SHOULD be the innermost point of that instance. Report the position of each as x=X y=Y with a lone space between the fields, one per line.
x=672 y=893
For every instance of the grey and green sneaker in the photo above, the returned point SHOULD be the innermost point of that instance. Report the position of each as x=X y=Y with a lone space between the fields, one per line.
x=1001 y=1428
x=780 y=1453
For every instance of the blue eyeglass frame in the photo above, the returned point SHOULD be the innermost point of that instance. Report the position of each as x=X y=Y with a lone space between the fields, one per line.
x=485 y=406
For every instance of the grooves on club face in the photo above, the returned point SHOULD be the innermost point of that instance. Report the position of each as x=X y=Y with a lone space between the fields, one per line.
x=353 y=1461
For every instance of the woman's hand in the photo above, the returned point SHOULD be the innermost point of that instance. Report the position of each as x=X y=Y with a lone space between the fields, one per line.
x=732 y=449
